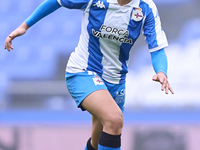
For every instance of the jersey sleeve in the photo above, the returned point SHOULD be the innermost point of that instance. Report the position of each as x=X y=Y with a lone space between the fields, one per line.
x=44 y=9
x=155 y=36
x=74 y=4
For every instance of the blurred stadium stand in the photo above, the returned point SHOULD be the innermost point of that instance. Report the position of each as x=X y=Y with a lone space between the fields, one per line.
x=41 y=54
x=39 y=58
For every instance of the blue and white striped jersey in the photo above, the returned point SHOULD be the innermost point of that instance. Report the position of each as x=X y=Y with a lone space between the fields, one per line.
x=108 y=33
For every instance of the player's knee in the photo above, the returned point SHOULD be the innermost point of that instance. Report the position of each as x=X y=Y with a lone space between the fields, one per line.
x=115 y=123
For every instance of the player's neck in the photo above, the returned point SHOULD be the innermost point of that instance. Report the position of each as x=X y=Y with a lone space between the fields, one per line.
x=123 y=2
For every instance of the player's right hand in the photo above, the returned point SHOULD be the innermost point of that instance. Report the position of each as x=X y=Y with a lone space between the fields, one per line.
x=17 y=32
x=8 y=43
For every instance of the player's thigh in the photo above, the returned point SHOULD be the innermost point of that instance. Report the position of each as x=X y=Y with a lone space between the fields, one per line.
x=101 y=104
x=90 y=92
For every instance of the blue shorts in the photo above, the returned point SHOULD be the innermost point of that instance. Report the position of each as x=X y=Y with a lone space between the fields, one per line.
x=80 y=85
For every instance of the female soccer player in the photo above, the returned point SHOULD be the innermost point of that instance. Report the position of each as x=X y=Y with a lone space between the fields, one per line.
x=96 y=70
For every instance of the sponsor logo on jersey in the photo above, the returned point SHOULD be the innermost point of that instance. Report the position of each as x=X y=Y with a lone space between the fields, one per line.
x=112 y=33
x=97 y=80
x=100 y=4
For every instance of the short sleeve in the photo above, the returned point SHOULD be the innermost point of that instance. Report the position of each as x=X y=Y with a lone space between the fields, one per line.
x=155 y=36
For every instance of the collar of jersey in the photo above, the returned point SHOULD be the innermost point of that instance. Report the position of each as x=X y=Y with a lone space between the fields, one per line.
x=133 y=3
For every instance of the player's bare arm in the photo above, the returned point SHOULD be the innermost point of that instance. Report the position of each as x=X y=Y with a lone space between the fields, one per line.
x=162 y=78
x=17 y=32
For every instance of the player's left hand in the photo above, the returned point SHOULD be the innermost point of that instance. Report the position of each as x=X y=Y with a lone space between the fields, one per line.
x=162 y=78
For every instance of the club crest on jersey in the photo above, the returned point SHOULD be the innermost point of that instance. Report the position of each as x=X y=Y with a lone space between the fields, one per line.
x=97 y=80
x=137 y=14
x=100 y=4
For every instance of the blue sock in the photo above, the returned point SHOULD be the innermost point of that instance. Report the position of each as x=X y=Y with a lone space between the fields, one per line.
x=86 y=148
x=89 y=146
x=109 y=142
